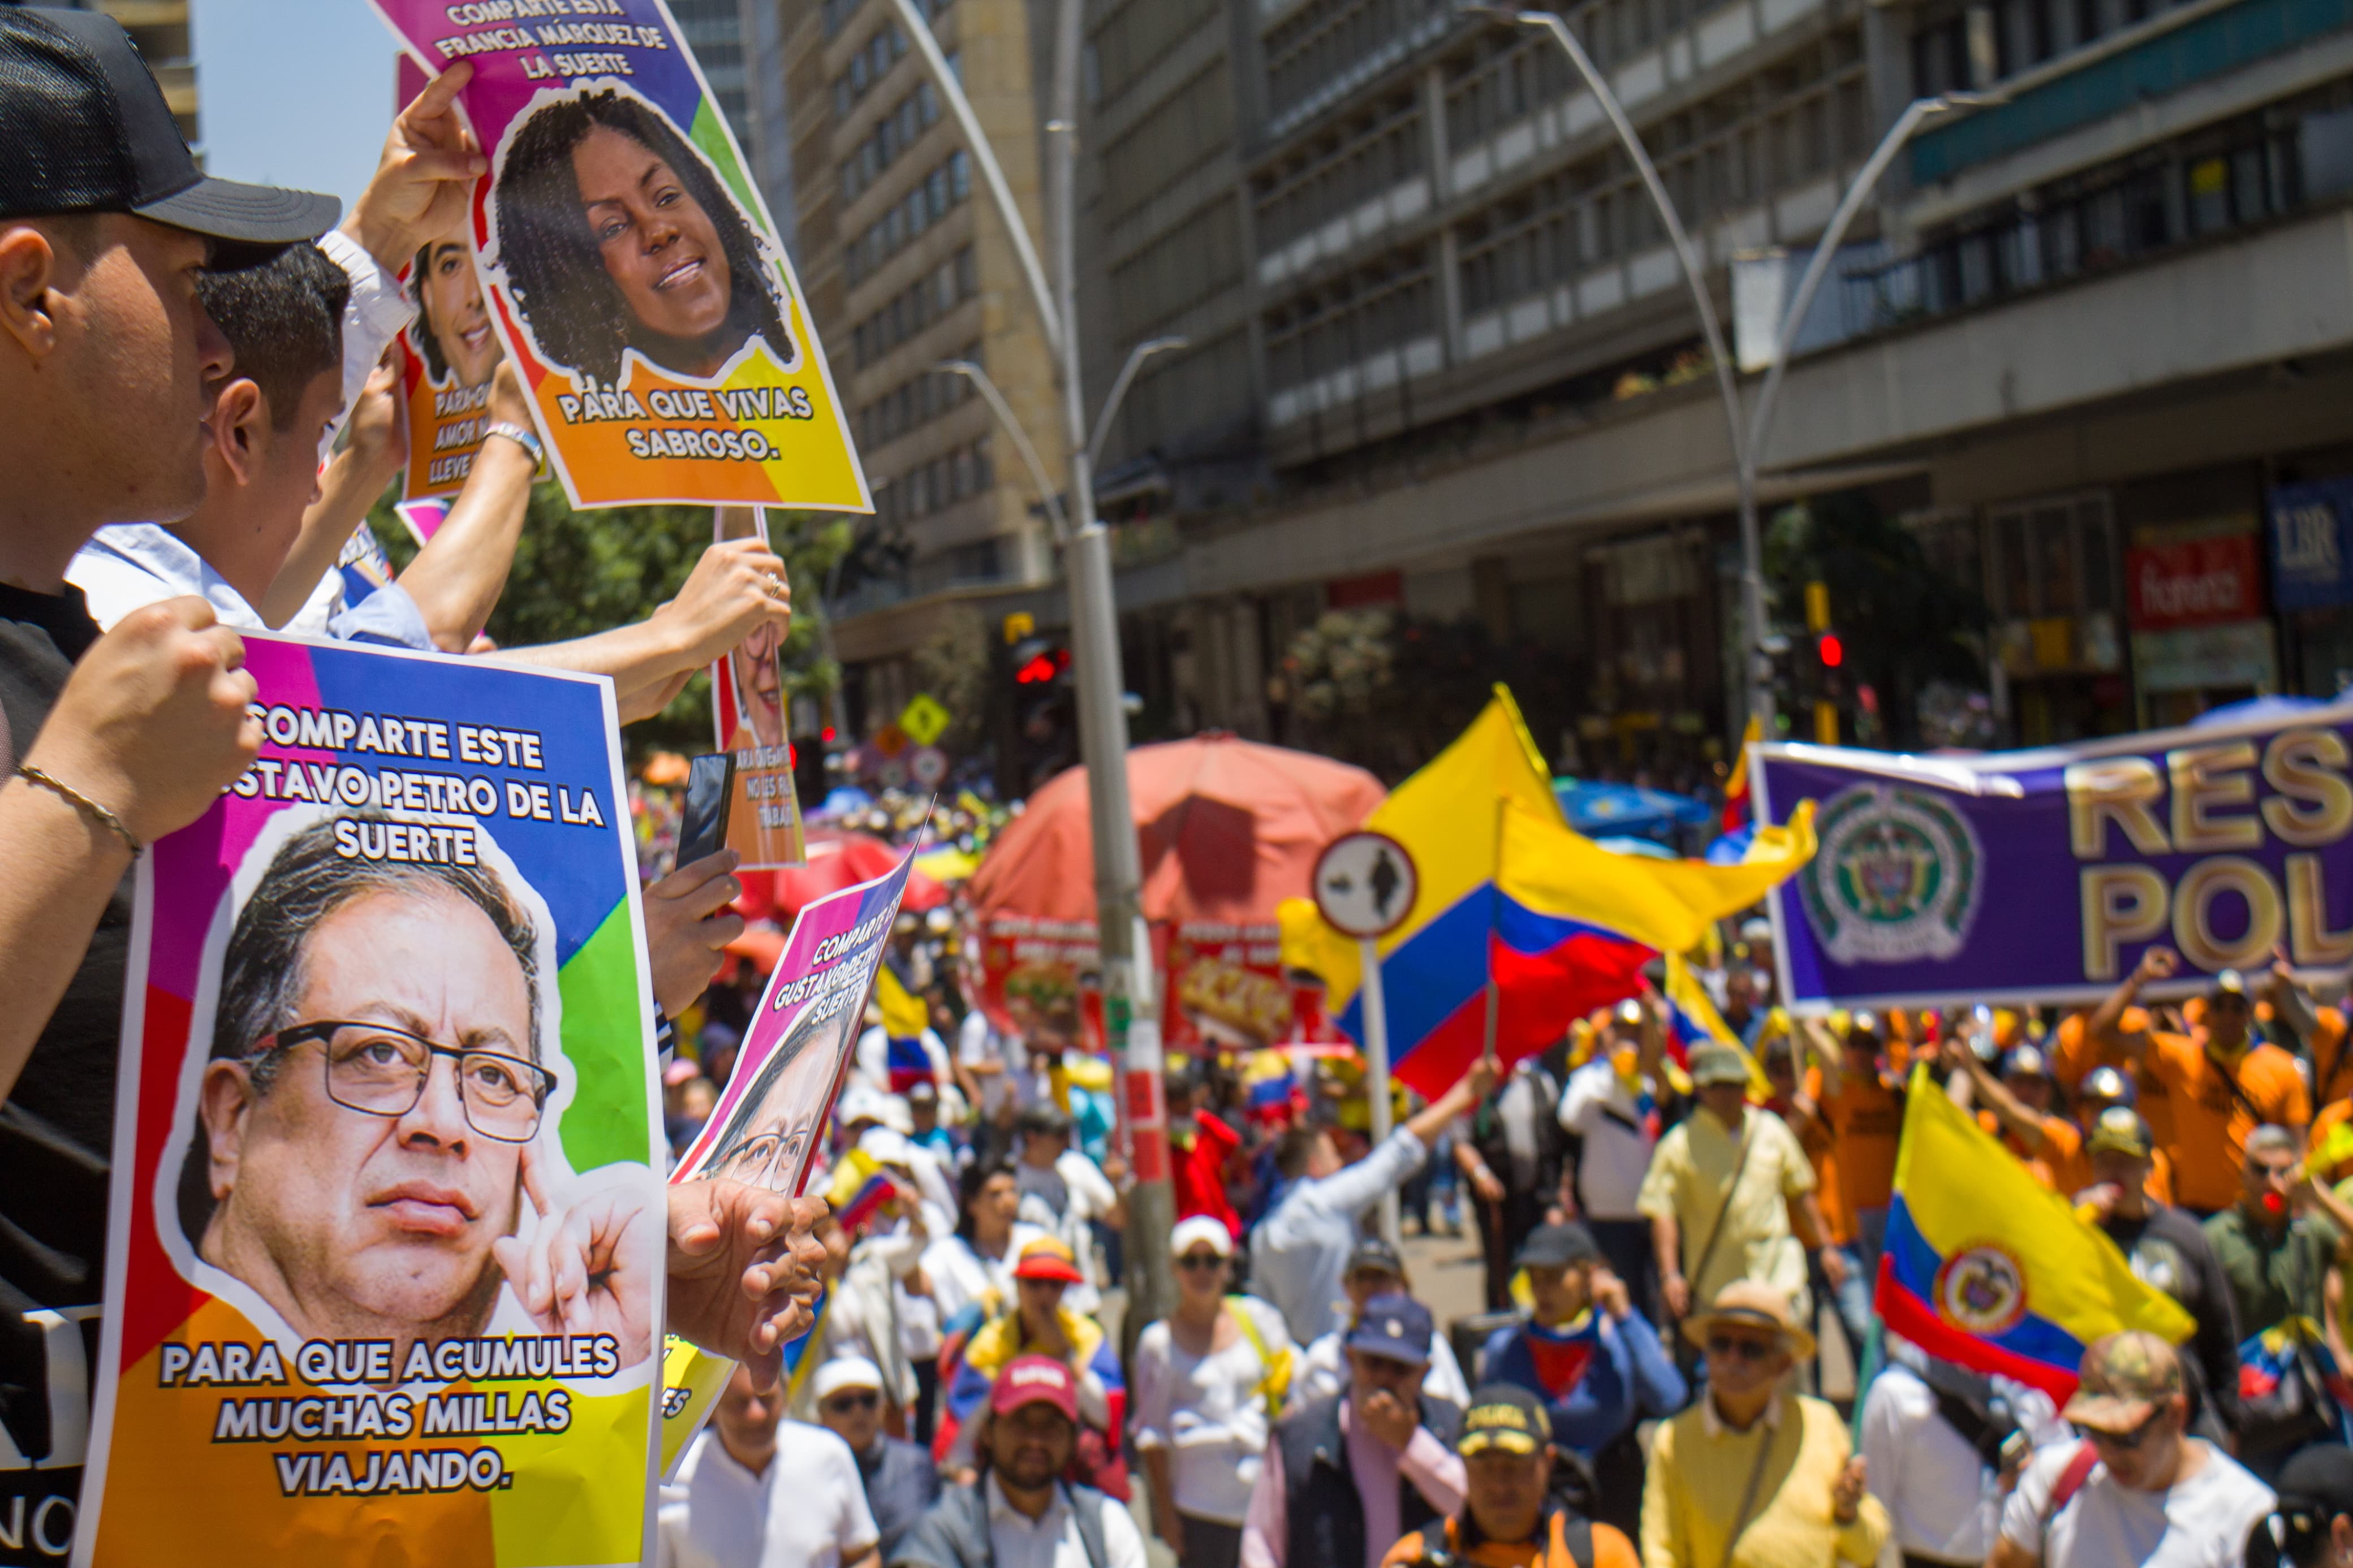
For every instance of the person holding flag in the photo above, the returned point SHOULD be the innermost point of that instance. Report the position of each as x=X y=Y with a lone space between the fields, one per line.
x=1612 y=1104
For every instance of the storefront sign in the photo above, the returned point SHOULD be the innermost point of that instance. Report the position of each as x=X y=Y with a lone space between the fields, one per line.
x=2307 y=539
x=2043 y=875
x=2196 y=583
x=2207 y=658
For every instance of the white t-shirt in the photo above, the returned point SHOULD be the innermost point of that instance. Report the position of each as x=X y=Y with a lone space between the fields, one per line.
x=808 y=1510
x=2201 y=1522
x=1208 y=1413
x=978 y=1042
x=1597 y=1108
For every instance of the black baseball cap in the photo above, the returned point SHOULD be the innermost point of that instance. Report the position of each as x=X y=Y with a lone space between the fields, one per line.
x=2315 y=1487
x=1504 y=1418
x=1374 y=1253
x=1557 y=1246
x=88 y=132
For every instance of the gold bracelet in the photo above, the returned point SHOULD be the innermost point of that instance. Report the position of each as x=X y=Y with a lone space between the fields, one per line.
x=82 y=803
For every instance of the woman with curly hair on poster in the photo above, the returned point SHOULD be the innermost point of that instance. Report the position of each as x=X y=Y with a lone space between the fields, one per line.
x=615 y=235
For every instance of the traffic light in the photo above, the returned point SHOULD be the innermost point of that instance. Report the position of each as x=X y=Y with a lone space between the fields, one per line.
x=1038 y=736
x=1830 y=656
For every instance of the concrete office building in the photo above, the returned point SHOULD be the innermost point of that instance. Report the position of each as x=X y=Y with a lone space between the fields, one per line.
x=2089 y=338
x=907 y=265
x=740 y=45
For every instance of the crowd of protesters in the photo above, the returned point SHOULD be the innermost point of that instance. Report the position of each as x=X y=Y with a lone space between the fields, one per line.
x=196 y=410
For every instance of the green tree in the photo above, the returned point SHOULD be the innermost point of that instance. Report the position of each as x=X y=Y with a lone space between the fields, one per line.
x=580 y=572
x=1904 y=622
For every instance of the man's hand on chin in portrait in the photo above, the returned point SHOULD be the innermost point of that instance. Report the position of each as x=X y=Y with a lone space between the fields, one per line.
x=744 y=1272
x=589 y=1270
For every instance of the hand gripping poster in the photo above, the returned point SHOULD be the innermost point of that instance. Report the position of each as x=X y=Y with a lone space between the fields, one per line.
x=750 y=711
x=386 y=1250
x=447 y=355
x=770 y=1121
x=629 y=263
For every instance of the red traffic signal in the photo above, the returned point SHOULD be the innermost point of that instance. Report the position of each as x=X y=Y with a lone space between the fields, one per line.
x=1831 y=651
x=1044 y=668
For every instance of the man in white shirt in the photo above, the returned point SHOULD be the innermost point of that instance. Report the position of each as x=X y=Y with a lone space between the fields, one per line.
x=1943 y=1447
x=1018 y=1514
x=1062 y=1192
x=757 y=1493
x=2137 y=1488
x=1611 y=1102
x=1300 y=1251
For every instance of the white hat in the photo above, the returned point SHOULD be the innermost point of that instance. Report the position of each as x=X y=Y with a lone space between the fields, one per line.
x=845 y=1371
x=863 y=1102
x=888 y=1145
x=1201 y=1228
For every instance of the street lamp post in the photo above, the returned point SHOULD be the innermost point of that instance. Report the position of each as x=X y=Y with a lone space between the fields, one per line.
x=1131 y=1012
x=1748 y=440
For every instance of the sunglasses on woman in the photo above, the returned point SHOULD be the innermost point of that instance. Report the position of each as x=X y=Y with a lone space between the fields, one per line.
x=1200 y=1262
x=843 y=1404
x=1743 y=1348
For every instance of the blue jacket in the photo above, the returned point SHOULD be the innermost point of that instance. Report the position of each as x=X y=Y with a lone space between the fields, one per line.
x=1629 y=1376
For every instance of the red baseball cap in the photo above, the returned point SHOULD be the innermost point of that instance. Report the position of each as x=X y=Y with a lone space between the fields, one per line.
x=1047 y=1258
x=1035 y=1380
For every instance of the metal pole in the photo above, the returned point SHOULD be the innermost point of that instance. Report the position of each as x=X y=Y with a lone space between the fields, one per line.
x=1376 y=1067
x=1135 y=358
x=1022 y=446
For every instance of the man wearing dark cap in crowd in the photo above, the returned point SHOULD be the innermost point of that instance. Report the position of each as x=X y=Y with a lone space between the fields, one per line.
x=2221 y=1082
x=1510 y=1518
x=1345 y=1476
x=1019 y=1513
x=2137 y=1488
x=1374 y=1269
x=2311 y=1525
x=1064 y=1193
x=107 y=742
x=1595 y=1361
x=2167 y=1250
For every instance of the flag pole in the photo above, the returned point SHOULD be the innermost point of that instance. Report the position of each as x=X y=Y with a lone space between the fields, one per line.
x=1376 y=1068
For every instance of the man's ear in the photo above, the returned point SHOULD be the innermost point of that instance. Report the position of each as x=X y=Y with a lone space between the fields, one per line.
x=240 y=428
x=223 y=1102
x=28 y=267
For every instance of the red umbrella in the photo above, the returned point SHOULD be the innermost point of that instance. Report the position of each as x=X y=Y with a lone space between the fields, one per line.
x=836 y=860
x=1227 y=828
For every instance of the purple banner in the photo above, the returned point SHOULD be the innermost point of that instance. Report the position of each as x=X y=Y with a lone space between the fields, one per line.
x=2043 y=875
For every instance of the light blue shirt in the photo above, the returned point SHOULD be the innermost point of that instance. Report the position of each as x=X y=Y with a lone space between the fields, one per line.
x=1300 y=1252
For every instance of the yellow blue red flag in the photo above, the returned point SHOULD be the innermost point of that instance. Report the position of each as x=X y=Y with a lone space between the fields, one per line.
x=1693 y=1020
x=1506 y=890
x=1736 y=798
x=1988 y=1269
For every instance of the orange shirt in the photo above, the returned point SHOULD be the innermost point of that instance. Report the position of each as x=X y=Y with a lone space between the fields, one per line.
x=1867 y=1119
x=2073 y=1057
x=2332 y=1061
x=2059 y=1164
x=1817 y=1141
x=2210 y=1124
x=1610 y=1549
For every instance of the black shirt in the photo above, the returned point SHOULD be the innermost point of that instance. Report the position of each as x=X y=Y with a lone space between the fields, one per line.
x=56 y=1131
x=2169 y=1250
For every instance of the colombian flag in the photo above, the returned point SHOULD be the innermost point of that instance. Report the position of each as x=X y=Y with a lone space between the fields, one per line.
x=1507 y=891
x=1989 y=1270
x=1693 y=1020
x=905 y=1019
x=1735 y=789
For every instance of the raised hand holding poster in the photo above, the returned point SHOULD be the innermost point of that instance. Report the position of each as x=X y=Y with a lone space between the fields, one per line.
x=750 y=712
x=769 y=1124
x=629 y=264
x=384 y=1256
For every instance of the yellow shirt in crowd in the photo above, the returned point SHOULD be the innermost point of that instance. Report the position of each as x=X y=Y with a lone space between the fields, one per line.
x=1699 y=1472
x=1689 y=1175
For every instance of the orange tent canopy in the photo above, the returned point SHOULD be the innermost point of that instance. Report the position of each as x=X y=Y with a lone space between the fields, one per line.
x=1227 y=829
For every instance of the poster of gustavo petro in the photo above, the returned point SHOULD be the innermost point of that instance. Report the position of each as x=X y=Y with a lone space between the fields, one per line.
x=631 y=266
x=384 y=1256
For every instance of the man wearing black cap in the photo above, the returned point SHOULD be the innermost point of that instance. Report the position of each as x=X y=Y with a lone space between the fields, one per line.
x=1510 y=1516
x=1374 y=1269
x=1345 y=1477
x=2312 y=1524
x=1595 y=1361
x=105 y=354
